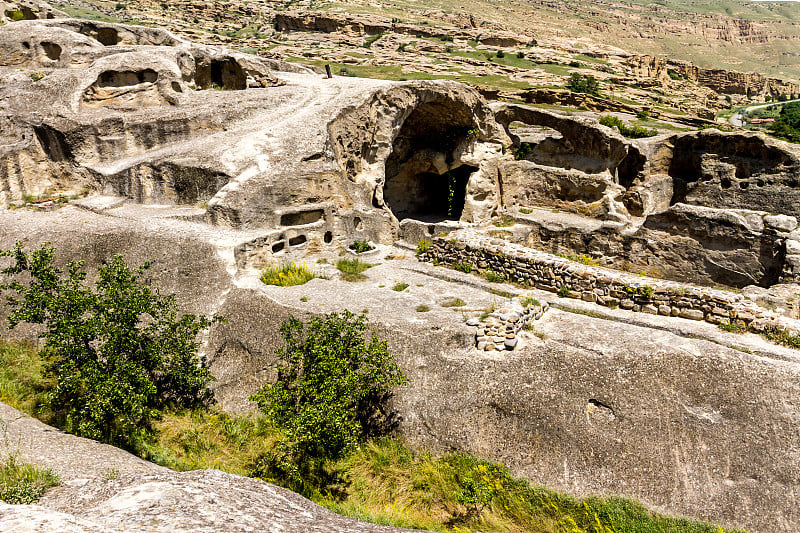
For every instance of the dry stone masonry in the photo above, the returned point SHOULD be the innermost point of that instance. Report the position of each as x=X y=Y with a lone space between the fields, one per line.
x=499 y=330
x=600 y=285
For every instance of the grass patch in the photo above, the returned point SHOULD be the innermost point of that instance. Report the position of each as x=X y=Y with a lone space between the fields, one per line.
x=287 y=275
x=584 y=259
x=462 y=267
x=22 y=385
x=422 y=308
x=400 y=287
x=455 y=302
x=504 y=222
x=360 y=247
x=525 y=210
x=22 y=483
x=423 y=245
x=733 y=327
x=781 y=337
x=352 y=269
x=494 y=277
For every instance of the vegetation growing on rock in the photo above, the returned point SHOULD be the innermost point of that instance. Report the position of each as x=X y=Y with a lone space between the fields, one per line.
x=118 y=352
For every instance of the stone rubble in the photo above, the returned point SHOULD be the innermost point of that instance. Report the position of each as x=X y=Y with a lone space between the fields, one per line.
x=500 y=329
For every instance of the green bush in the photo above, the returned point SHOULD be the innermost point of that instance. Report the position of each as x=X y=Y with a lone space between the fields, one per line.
x=635 y=132
x=17 y=15
x=360 y=247
x=563 y=291
x=22 y=483
x=494 y=277
x=287 y=275
x=330 y=394
x=400 y=287
x=463 y=267
x=119 y=352
x=422 y=308
x=583 y=84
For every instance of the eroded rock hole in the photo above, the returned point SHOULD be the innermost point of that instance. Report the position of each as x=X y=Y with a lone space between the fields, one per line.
x=358 y=224
x=126 y=78
x=328 y=237
x=53 y=142
x=428 y=195
x=51 y=50
x=26 y=45
x=277 y=247
x=107 y=36
x=302 y=217
x=225 y=74
x=421 y=182
x=297 y=241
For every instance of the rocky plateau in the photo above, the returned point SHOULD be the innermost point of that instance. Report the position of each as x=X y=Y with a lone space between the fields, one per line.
x=215 y=163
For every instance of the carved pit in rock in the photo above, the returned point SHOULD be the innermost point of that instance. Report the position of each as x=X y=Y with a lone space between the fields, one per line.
x=124 y=88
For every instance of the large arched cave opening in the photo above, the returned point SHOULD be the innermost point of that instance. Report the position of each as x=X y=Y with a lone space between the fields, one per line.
x=423 y=179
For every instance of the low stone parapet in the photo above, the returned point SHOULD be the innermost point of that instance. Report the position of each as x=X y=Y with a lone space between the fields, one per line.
x=611 y=288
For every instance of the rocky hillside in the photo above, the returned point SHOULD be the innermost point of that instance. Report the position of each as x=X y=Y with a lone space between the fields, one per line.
x=665 y=59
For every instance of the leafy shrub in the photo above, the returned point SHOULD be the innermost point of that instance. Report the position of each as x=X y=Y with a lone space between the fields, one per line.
x=119 y=352
x=504 y=222
x=422 y=308
x=22 y=483
x=400 y=287
x=583 y=84
x=423 y=245
x=17 y=15
x=635 y=132
x=352 y=269
x=523 y=150
x=733 y=327
x=643 y=114
x=360 y=247
x=501 y=54
x=287 y=275
x=563 y=291
x=330 y=394
x=36 y=76
x=646 y=291
x=520 y=55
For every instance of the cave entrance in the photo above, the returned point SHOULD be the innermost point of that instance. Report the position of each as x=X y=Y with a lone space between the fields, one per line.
x=225 y=74
x=423 y=180
x=428 y=196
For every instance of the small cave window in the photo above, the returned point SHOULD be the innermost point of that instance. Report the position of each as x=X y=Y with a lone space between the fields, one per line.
x=225 y=74
x=126 y=78
x=427 y=195
x=51 y=50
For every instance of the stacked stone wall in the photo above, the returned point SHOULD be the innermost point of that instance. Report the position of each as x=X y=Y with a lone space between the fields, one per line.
x=611 y=288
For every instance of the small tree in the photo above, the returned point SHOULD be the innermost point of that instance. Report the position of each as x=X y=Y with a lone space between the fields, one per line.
x=583 y=84
x=330 y=394
x=119 y=351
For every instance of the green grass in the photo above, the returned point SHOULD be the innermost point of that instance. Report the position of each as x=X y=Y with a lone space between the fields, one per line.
x=504 y=222
x=22 y=483
x=400 y=287
x=287 y=275
x=423 y=245
x=455 y=302
x=352 y=269
x=422 y=308
x=22 y=385
x=462 y=267
x=494 y=277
